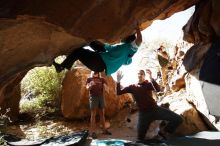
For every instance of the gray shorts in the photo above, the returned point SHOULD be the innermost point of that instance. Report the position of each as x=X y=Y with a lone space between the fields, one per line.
x=96 y=102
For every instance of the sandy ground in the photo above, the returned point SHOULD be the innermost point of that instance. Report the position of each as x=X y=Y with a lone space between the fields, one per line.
x=119 y=127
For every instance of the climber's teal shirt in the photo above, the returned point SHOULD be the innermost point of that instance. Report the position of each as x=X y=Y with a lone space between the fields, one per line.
x=118 y=55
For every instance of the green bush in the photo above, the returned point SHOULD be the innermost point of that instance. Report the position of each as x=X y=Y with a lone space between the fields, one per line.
x=45 y=84
x=2 y=141
x=4 y=120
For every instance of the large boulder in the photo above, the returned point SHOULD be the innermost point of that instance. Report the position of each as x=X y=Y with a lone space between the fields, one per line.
x=202 y=29
x=192 y=121
x=75 y=101
x=10 y=96
x=196 y=97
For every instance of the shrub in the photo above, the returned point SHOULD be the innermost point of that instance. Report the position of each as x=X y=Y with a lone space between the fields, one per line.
x=45 y=84
x=4 y=120
x=2 y=141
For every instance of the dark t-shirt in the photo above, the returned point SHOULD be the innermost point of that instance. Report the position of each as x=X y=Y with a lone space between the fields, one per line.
x=97 y=87
x=142 y=93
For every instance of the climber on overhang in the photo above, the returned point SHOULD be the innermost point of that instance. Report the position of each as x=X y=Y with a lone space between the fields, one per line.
x=105 y=57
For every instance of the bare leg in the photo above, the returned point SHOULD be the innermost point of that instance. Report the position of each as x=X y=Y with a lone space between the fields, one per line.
x=93 y=120
x=102 y=117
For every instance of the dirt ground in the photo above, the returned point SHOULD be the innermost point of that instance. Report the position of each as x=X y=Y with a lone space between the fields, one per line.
x=119 y=127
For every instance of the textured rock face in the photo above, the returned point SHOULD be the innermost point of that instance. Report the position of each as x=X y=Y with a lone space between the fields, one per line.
x=10 y=96
x=104 y=19
x=201 y=30
x=192 y=122
x=75 y=101
x=198 y=28
x=196 y=96
x=30 y=43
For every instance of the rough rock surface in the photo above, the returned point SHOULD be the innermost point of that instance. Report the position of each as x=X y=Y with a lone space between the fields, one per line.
x=109 y=20
x=201 y=30
x=10 y=97
x=196 y=97
x=192 y=121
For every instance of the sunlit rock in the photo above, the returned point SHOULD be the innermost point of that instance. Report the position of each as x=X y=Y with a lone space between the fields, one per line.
x=196 y=97
x=192 y=121
x=75 y=98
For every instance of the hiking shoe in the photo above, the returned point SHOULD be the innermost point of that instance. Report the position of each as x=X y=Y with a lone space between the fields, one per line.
x=165 y=135
x=106 y=132
x=159 y=137
x=58 y=67
x=93 y=135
